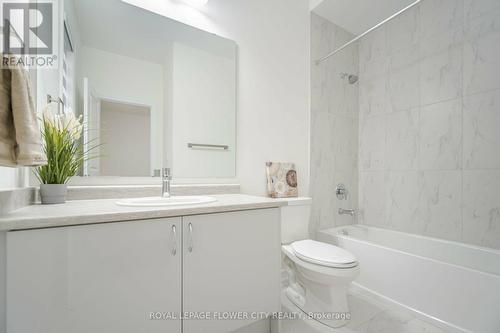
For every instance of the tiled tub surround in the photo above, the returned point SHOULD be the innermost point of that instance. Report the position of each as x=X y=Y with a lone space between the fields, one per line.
x=334 y=125
x=429 y=107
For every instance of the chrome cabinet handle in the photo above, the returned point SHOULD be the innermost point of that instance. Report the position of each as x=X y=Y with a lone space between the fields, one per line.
x=190 y=238
x=174 y=240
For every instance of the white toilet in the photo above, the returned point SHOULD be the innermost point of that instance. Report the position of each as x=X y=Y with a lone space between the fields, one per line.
x=319 y=274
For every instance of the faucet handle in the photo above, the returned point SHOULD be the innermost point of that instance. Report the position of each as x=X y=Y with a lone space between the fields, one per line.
x=341 y=192
x=165 y=173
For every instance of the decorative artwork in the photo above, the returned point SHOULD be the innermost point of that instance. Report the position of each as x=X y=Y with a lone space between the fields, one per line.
x=281 y=180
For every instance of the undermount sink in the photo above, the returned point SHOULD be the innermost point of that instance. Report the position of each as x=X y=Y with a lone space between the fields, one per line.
x=162 y=202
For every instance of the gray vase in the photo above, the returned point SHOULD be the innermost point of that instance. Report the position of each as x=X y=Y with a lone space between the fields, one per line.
x=53 y=193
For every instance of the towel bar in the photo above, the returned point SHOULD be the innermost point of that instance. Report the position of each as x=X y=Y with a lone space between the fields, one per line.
x=203 y=145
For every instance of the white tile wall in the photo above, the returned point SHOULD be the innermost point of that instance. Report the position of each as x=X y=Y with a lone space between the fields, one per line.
x=440 y=136
x=441 y=75
x=372 y=146
x=481 y=211
x=429 y=125
x=475 y=8
x=482 y=131
x=402 y=201
x=440 y=202
x=403 y=91
x=402 y=140
x=373 y=187
x=481 y=53
x=334 y=126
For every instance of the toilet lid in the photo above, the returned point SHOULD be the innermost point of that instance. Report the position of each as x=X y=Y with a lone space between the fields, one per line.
x=323 y=254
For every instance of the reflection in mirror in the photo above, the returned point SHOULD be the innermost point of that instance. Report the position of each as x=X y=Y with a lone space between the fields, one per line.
x=148 y=87
x=124 y=127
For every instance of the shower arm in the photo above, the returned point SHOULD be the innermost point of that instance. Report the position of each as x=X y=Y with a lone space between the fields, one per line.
x=320 y=60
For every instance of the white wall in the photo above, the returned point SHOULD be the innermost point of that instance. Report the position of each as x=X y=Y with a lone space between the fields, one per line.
x=126 y=130
x=203 y=112
x=8 y=178
x=273 y=78
x=120 y=78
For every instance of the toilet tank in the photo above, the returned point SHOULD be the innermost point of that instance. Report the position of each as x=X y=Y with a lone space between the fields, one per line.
x=295 y=220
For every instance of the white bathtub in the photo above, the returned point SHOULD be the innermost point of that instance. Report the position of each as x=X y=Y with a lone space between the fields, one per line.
x=454 y=284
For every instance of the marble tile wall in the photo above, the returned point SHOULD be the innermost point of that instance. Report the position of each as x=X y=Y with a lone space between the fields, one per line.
x=429 y=110
x=334 y=126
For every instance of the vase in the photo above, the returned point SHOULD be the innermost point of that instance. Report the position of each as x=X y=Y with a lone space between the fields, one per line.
x=53 y=193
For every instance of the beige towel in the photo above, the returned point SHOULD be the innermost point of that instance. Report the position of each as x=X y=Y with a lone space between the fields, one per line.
x=20 y=138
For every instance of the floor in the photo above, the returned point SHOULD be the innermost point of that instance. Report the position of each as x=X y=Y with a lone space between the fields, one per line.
x=367 y=316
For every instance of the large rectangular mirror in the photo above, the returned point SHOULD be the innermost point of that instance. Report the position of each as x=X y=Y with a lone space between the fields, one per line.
x=153 y=92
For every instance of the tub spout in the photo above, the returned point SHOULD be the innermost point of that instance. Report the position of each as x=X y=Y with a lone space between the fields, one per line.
x=351 y=212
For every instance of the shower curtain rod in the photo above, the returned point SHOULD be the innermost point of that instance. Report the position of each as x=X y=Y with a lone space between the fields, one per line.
x=319 y=61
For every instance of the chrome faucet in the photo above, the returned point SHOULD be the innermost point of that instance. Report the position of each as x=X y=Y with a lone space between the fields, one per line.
x=351 y=212
x=166 y=177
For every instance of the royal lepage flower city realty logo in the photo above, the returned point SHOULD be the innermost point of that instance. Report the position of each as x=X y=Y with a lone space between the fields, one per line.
x=29 y=33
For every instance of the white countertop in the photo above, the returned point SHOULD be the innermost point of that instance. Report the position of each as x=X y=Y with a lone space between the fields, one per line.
x=106 y=210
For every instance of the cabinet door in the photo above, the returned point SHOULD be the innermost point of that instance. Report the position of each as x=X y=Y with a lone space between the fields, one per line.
x=231 y=264
x=105 y=278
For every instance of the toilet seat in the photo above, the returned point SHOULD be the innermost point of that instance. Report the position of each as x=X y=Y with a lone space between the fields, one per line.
x=323 y=254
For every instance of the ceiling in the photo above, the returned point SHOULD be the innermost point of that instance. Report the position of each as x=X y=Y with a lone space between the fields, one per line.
x=117 y=27
x=357 y=16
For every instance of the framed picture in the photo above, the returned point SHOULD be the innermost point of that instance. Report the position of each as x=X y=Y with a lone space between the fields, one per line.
x=281 y=180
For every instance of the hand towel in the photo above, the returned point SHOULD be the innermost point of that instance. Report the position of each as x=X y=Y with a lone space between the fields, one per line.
x=20 y=138
x=7 y=130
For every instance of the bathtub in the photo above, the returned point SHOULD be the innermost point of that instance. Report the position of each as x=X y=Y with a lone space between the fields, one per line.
x=451 y=284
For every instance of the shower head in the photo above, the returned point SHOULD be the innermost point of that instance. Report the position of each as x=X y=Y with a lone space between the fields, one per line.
x=350 y=77
x=353 y=79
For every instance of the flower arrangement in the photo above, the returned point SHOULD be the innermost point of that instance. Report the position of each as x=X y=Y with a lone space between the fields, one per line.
x=61 y=135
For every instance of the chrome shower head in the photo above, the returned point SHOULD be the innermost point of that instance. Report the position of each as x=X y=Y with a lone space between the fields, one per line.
x=351 y=78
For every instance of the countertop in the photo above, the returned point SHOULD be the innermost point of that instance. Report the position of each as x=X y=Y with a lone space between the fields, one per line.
x=80 y=212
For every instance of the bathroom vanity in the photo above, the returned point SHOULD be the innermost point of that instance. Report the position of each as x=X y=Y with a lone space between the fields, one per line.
x=93 y=266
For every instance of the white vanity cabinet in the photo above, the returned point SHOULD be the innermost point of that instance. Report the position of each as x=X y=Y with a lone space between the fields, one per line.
x=109 y=278
x=94 y=278
x=231 y=266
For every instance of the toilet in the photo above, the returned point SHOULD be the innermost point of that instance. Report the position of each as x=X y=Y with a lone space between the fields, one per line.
x=319 y=274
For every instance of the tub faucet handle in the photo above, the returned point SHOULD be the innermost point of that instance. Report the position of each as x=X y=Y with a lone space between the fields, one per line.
x=341 y=192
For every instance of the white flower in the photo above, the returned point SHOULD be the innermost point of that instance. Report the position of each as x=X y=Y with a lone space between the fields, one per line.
x=64 y=121
x=49 y=114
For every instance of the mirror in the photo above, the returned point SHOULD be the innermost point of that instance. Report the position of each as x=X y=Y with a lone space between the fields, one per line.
x=153 y=92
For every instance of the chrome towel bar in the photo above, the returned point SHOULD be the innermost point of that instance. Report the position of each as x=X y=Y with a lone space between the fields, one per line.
x=203 y=145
